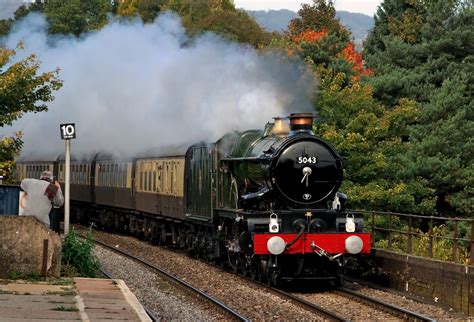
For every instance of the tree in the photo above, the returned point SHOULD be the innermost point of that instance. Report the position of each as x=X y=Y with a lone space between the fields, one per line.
x=22 y=11
x=220 y=17
x=76 y=16
x=368 y=135
x=146 y=9
x=318 y=16
x=423 y=50
x=23 y=90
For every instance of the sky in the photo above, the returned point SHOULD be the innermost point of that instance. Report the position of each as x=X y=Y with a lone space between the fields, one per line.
x=368 y=7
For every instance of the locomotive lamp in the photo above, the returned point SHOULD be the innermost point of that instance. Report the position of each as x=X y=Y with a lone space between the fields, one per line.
x=276 y=245
x=273 y=226
x=354 y=244
x=350 y=225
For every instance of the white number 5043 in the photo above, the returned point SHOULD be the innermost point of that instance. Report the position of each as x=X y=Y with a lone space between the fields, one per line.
x=307 y=160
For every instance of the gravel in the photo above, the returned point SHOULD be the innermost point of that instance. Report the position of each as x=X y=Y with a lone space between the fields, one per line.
x=163 y=298
x=433 y=311
x=243 y=296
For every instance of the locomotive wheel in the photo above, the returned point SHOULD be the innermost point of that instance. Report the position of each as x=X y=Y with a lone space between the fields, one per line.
x=262 y=271
x=253 y=270
x=233 y=262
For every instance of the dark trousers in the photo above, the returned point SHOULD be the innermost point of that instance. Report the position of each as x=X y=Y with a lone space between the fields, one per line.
x=54 y=219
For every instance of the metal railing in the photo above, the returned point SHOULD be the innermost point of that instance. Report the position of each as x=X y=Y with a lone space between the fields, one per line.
x=449 y=239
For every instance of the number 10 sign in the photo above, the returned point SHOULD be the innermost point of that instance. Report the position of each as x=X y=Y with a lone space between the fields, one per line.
x=68 y=131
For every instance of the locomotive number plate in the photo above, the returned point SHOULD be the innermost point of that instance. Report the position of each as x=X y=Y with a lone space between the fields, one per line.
x=304 y=160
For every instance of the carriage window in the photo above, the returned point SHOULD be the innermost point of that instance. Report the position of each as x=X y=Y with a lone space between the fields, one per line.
x=87 y=174
x=109 y=175
x=113 y=174
x=145 y=182
x=98 y=174
x=124 y=175
x=118 y=175
x=149 y=180
x=172 y=178
x=141 y=180
x=176 y=177
x=81 y=174
x=160 y=176
x=104 y=175
x=166 y=178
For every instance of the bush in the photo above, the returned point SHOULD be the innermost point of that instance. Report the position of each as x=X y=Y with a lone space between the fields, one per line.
x=78 y=257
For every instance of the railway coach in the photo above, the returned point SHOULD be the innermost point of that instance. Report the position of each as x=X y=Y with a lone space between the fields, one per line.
x=263 y=202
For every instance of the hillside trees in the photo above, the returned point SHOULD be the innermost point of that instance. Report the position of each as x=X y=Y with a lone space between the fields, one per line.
x=22 y=90
x=65 y=17
x=76 y=16
x=368 y=135
x=220 y=17
x=198 y=16
x=146 y=9
x=424 y=51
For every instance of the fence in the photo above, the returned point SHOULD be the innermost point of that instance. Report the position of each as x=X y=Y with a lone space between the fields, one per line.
x=449 y=239
x=9 y=199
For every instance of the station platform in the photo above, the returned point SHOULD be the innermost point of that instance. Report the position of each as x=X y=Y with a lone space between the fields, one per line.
x=87 y=299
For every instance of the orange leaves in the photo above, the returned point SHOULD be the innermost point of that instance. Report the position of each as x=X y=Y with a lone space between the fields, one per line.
x=354 y=58
x=310 y=36
x=349 y=53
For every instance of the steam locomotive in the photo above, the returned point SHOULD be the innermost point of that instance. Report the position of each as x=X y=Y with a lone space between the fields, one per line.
x=263 y=202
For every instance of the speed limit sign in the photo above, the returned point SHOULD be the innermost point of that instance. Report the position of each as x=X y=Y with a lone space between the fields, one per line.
x=68 y=131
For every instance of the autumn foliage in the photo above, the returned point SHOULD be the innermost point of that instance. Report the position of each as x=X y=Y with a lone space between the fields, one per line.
x=310 y=36
x=349 y=53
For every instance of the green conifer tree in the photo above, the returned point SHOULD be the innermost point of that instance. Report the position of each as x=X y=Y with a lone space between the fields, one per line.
x=424 y=51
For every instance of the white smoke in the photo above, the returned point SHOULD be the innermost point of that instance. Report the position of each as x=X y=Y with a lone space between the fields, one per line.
x=130 y=87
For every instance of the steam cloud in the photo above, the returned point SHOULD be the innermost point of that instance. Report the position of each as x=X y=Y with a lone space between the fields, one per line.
x=132 y=88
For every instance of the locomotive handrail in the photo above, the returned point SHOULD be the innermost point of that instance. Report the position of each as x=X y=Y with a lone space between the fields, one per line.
x=241 y=159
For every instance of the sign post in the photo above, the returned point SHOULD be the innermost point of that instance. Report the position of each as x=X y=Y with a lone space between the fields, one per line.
x=68 y=132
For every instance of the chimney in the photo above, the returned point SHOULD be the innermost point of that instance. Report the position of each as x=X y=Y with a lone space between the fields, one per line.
x=301 y=123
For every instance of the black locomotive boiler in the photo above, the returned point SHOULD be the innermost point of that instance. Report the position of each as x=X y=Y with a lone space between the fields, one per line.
x=264 y=202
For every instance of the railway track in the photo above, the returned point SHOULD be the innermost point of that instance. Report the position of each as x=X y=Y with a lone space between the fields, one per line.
x=324 y=310
x=397 y=311
x=227 y=311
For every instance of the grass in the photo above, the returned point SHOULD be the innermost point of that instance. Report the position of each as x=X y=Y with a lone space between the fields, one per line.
x=65 y=308
x=32 y=277
x=62 y=293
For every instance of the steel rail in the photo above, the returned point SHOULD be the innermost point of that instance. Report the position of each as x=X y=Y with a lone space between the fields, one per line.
x=312 y=307
x=387 y=307
x=227 y=310
x=305 y=304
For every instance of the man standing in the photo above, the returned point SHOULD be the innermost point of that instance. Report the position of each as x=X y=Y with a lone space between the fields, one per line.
x=42 y=195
